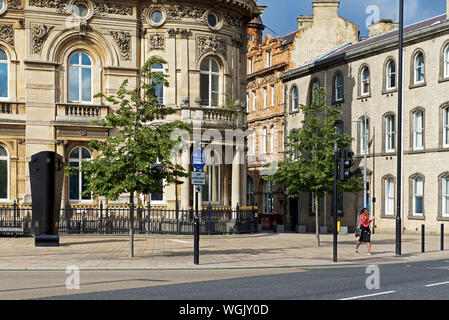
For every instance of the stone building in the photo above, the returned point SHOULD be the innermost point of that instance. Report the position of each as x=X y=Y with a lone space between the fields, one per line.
x=56 y=55
x=268 y=59
x=361 y=79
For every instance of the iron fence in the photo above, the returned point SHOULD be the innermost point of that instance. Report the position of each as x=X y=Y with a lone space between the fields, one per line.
x=147 y=220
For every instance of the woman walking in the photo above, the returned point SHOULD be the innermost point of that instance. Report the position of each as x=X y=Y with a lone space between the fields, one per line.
x=365 y=235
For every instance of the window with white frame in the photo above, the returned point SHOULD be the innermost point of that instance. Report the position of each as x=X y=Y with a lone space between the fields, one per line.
x=250 y=199
x=272 y=139
x=364 y=135
x=80 y=78
x=158 y=88
x=254 y=141
x=4 y=173
x=418 y=129
x=419 y=68
x=391 y=75
x=268 y=198
x=265 y=140
x=77 y=183
x=211 y=190
x=445 y=197
x=250 y=65
x=254 y=100
x=365 y=81
x=446 y=127
x=210 y=82
x=247 y=103
x=4 y=75
x=268 y=58
x=338 y=87
x=272 y=95
x=418 y=196
x=389 y=133
x=295 y=99
x=389 y=196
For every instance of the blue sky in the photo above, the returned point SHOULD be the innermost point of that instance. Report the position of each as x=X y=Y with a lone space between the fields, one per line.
x=280 y=16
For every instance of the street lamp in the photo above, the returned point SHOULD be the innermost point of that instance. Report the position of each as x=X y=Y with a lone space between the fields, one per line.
x=400 y=100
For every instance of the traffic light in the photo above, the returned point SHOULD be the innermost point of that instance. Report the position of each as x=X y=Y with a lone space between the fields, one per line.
x=345 y=164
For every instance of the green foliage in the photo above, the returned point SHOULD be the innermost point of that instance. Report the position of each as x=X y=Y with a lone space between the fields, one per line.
x=309 y=156
x=139 y=156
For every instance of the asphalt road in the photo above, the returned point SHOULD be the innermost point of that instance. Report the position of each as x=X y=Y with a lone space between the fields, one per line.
x=404 y=281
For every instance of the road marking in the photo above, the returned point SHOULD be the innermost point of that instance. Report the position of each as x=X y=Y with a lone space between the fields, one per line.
x=369 y=295
x=437 y=284
x=180 y=241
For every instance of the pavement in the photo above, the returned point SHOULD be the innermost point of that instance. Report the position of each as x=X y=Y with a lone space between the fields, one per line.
x=168 y=252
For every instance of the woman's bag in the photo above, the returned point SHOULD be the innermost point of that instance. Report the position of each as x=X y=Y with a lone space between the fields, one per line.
x=358 y=230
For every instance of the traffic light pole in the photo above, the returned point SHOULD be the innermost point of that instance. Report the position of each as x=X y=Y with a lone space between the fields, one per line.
x=196 y=245
x=334 y=199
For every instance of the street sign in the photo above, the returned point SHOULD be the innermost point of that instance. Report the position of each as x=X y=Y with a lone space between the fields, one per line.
x=198 y=159
x=198 y=178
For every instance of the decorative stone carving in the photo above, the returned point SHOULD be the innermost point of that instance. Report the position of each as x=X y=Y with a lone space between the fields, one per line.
x=100 y=9
x=172 y=32
x=210 y=43
x=40 y=34
x=123 y=40
x=7 y=34
x=232 y=21
x=15 y=5
x=157 y=41
x=180 y=12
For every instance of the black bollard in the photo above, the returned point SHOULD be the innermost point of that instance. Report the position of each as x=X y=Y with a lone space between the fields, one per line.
x=442 y=237
x=422 y=238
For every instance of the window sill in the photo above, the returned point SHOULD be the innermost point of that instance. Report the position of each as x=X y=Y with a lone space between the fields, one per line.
x=389 y=92
x=439 y=218
x=417 y=85
x=388 y=216
x=364 y=97
x=445 y=79
x=423 y=217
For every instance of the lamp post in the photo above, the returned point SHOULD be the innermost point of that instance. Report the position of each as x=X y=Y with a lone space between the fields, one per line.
x=400 y=100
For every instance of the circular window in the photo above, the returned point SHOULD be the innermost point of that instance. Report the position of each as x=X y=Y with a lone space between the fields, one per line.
x=156 y=16
x=212 y=20
x=81 y=10
x=2 y=5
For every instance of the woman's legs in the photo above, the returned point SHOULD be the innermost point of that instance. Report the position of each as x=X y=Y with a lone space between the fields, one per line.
x=358 y=244
x=368 y=244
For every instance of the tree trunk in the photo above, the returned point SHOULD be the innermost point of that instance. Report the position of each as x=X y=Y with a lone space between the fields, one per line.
x=317 y=223
x=131 y=225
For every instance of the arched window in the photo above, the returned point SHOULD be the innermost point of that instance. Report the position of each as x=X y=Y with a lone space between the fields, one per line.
x=210 y=82
x=4 y=78
x=389 y=196
x=77 y=183
x=80 y=78
x=314 y=92
x=268 y=198
x=295 y=99
x=419 y=67
x=418 y=196
x=365 y=81
x=250 y=191
x=389 y=133
x=391 y=74
x=418 y=130
x=445 y=196
x=158 y=87
x=364 y=136
x=4 y=173
x=338 y=87
x=446 y=127
x=446 y=61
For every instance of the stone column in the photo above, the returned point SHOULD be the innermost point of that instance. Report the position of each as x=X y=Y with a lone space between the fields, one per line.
x=226 y=191
x=236 y=163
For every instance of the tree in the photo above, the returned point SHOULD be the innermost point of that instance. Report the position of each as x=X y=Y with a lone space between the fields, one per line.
x=308 y=165
x=139 y=157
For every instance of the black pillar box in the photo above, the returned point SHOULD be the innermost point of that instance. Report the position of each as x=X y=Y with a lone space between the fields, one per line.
x=47 y=176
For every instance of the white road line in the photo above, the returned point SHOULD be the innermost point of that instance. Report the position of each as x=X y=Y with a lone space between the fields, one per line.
x=369 y=295
x=180 y=241
x=437 y=284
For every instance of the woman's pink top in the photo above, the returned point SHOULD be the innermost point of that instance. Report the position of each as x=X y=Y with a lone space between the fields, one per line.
x=364 y=221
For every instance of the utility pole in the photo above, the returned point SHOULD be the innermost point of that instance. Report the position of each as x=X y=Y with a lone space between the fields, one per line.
x=400 y=101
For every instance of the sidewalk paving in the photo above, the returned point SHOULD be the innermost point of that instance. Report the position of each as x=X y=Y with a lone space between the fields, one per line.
x=262 y=250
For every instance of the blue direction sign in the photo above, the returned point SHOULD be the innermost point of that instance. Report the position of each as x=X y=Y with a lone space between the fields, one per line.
x=198 y=159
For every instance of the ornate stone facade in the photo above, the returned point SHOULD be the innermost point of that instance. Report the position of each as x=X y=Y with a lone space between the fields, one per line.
x=56 y=66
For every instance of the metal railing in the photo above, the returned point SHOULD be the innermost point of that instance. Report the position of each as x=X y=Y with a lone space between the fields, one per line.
x=147 y=220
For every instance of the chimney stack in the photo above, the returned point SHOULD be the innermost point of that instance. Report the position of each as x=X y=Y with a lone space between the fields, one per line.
x=383 y=26
x=305 y=21
x=325 y=9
